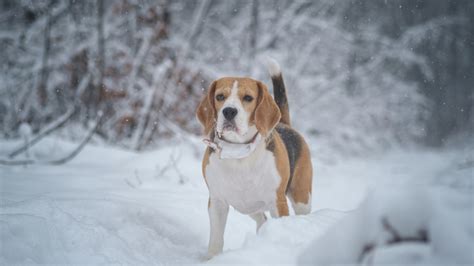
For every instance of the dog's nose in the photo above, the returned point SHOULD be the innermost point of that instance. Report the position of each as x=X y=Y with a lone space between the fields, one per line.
x=229 y=113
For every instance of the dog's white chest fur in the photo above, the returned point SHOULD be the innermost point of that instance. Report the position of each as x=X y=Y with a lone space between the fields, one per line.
x=249 y=184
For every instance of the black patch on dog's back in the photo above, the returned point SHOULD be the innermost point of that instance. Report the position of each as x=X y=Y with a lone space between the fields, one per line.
x=271 y=143
x=292 y=141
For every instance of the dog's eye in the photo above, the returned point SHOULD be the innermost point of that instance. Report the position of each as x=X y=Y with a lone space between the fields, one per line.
x=220 y=97
x=248 y=98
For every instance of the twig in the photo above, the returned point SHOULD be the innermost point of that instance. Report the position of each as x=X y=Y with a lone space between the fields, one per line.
x=182 y=134
x=174 y=163
x=137 y=178
x=387 y=226
x=421 y=237
x=369 y=248
x=18 y=162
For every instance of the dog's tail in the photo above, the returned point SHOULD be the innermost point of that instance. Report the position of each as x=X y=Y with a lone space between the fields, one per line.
x=279 y=90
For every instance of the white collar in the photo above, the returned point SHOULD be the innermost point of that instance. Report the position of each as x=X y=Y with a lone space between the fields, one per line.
x=231 y=150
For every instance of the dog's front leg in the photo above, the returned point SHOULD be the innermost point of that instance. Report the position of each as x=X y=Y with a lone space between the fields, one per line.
x=218 y=211
x=281 y=207
x=259 y=218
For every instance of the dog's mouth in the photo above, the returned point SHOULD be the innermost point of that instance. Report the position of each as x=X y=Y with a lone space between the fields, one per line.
x=229 y=126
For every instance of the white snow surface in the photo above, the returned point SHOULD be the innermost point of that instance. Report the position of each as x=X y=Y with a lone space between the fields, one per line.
x=114 y=206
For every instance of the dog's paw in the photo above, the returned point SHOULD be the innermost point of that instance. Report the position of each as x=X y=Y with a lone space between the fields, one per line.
x=208 y=256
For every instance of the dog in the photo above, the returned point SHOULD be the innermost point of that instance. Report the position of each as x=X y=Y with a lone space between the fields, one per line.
x=254 y=158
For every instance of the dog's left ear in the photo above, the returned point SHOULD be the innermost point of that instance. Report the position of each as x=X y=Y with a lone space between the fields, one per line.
x=206 y=112
x=267 y=113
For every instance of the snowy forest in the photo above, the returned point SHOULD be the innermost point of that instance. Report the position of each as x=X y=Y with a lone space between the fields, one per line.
x=100 y=145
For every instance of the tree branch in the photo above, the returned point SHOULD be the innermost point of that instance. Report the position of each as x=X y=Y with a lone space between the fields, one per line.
x=369 y=248
x=44 y=132
x=79 y=148
x=67 y=158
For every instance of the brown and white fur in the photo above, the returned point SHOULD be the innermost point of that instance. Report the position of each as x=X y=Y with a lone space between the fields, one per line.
x=279 y=166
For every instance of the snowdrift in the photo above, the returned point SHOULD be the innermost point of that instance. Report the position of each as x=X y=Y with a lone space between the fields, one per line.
x=109 y=205
x=400 y=227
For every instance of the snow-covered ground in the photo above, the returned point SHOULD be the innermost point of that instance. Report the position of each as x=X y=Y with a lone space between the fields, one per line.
x=114 y=206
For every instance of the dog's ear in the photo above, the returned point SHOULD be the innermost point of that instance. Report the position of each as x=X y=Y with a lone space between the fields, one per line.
x=267 y=113
x=206 y=111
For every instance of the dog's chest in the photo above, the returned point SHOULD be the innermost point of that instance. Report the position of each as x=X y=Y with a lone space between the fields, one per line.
x=249 y=185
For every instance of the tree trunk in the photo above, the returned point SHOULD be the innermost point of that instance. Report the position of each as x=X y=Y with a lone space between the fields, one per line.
x=99 y=89
x=43 y=83
x=253 y=33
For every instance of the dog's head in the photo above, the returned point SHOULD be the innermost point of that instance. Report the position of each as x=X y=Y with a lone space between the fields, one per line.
x=237 y=108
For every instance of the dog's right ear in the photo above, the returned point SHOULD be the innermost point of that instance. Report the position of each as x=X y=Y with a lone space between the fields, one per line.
x=206 y=112
x=267 y=113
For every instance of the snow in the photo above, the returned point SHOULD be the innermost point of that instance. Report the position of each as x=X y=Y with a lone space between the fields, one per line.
x=110 y=205
x=436 y=225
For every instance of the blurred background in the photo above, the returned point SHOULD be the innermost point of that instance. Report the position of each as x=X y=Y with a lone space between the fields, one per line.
x=362 y=76
x=382 y=90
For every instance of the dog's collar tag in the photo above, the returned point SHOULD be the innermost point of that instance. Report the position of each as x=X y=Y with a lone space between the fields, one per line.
x=229 y=150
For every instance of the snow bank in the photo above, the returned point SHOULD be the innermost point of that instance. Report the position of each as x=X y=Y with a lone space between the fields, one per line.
x=409 y=226
x=109 y=205
x=280 y=240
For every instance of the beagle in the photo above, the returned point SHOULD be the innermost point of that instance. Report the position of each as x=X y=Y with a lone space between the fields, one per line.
x=254 y=159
